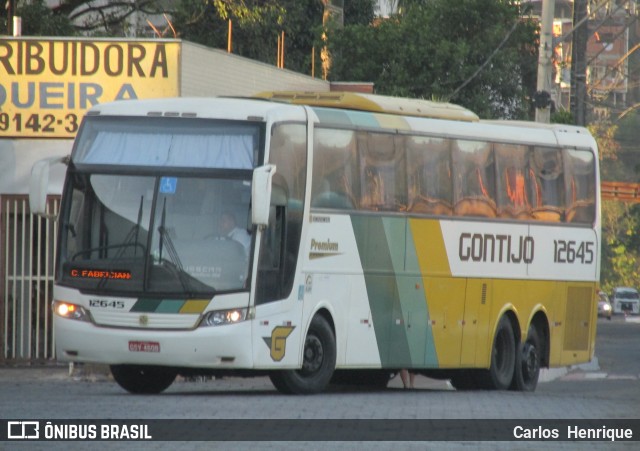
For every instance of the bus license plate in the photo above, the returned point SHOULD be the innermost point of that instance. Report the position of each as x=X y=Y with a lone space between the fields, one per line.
x=144 y=346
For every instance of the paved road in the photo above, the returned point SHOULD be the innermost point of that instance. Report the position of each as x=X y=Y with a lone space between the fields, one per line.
x=607 y=390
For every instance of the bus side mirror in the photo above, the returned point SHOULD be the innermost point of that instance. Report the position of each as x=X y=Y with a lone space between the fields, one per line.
x=39 y=184
x=261 y=194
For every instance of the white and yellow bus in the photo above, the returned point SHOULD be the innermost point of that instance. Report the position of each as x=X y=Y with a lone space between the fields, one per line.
x=371 y=234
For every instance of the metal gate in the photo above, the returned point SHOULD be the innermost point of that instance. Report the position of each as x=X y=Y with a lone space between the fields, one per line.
x=27 y=251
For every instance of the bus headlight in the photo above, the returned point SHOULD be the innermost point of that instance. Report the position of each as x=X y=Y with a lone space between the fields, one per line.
x=222 y=317
x=70 y=311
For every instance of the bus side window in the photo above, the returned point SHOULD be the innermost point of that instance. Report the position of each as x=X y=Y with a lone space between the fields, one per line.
x=429 y=175
x=270 y=265
x=382 y=172
x=512 y=182
x=334 y=156
x=281 y=240
x=580 y=186
x=474 y=183
x=547 y=177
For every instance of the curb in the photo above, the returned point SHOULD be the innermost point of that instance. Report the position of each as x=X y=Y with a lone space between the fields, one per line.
x=550 y=374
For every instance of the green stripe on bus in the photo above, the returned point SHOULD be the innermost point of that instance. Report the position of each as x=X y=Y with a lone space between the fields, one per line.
x=158 y=305
x=420 y=318
x=382 y=289
x=170 y=306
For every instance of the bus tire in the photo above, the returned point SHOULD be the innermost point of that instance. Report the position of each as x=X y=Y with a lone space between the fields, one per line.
x=318 y=362
x=503 y=358
x=527 y=369
x=143 y=379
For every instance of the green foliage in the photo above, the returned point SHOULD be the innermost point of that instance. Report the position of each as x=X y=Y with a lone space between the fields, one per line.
x=257 y=25
x=359 y=12
x=39 y=20
x=620 y=263
x=437 y=46
x=562 y=117
x=604 y=132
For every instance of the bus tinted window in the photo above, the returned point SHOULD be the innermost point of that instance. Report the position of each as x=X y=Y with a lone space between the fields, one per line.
x=581 y=186
x=170 y=142
x=382 y=172
x=474 y=183
x=334 y=169
x=429 y=175
x=548 y=184
x=280 y=245
x=513 y=186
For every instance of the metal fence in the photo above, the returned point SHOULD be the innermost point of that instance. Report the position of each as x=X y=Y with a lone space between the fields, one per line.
x=27 y=251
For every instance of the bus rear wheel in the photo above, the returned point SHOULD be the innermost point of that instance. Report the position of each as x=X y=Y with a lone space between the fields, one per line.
x=503 y=358
x=143 y=379
x=318 y=362
x=527 y=368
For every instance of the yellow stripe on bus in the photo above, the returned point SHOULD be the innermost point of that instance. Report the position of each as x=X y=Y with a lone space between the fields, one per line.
x=194 y=306
x=430 y=249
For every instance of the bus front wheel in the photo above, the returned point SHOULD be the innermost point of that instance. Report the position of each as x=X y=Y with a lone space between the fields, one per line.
x=503 y=358
x=318 y=362
x=143 y=379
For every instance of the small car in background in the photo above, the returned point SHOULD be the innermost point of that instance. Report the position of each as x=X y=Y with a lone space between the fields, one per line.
x=604 y=305
x=625 y=300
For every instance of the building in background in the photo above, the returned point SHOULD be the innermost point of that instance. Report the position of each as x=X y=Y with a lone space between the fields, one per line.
x=613 y=36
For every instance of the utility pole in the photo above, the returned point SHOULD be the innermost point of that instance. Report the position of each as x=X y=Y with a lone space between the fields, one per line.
x=10 y=6
x=542 y=98
x=579 y=62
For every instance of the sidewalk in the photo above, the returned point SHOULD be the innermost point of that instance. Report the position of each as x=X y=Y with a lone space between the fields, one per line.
x=54 y=371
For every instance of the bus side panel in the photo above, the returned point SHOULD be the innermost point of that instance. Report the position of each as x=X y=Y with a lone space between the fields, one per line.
x=579 y=324
x=377 y=260
x=478 y=311
x=396 y=291
x=361 y=349
x=444 y=294
x=333 y=275
x=278 y=333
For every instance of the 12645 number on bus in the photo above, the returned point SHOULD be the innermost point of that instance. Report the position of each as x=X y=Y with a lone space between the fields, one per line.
x=570 y=251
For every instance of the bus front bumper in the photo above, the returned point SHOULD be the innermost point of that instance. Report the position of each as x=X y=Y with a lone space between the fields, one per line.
x=218 y=347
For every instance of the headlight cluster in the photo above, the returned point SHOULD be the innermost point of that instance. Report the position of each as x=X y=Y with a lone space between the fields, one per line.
x=222 y=317
x=70 y=311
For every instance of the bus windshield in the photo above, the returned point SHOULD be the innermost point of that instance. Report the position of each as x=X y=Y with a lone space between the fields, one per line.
x=135 y=234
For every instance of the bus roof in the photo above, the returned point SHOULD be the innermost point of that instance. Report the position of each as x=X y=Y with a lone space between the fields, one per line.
x=200 y=107
x=373 y=103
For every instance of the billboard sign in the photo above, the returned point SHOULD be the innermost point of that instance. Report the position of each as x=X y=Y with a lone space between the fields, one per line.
x=47 y=84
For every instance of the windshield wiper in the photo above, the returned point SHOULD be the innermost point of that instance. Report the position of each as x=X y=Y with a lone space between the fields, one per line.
x=130 y=240
x=171 y=250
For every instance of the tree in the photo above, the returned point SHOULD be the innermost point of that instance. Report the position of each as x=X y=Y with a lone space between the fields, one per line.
x=359 y=12
x=39 y=20
x=72 y=17
x=617 y=143
x=620 y=260
x=257 y=25
x=478 y=53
